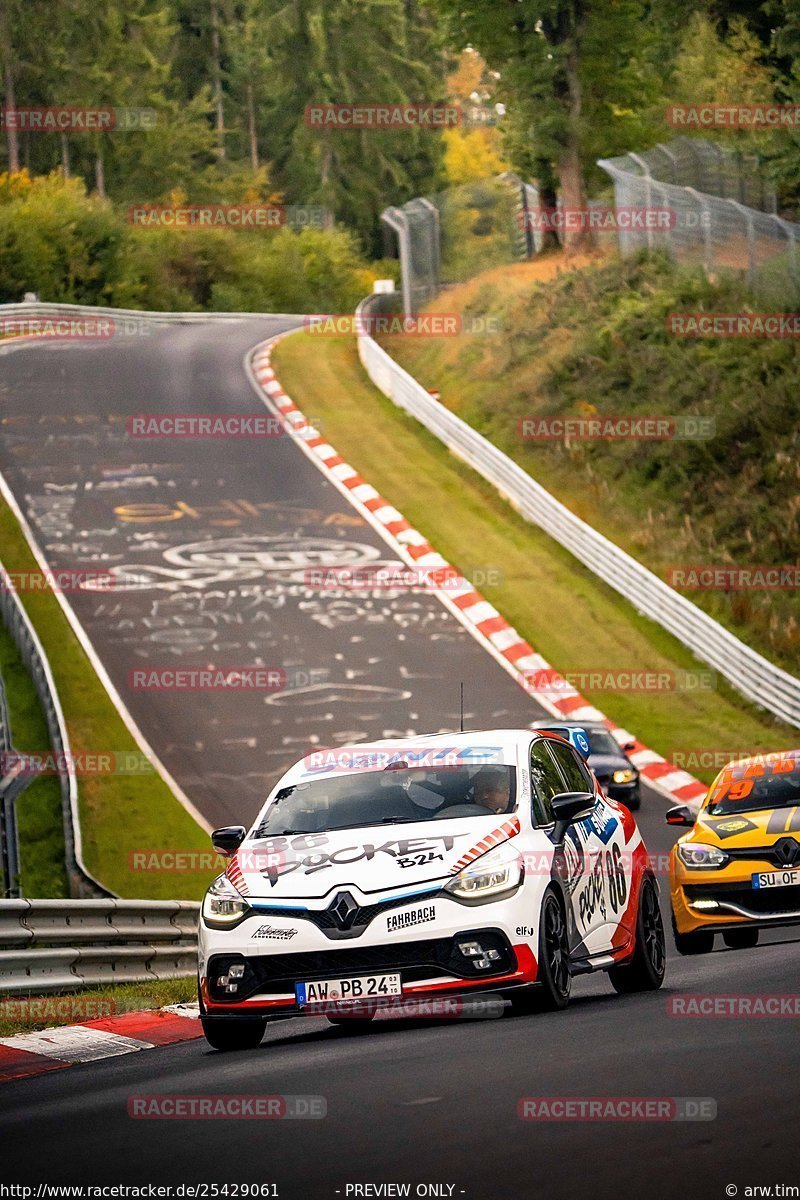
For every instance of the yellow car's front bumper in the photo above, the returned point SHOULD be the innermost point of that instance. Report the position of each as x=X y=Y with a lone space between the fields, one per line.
x=726 y=898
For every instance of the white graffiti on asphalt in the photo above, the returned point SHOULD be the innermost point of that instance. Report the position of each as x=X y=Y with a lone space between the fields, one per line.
x=331 y=693
x=271 y=553
x=199 y=565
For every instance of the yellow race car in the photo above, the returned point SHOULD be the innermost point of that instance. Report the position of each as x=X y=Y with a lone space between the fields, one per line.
x=738 y=870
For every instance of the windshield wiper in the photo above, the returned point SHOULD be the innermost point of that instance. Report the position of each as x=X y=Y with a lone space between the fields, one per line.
x=367 y=824
x=268 y=833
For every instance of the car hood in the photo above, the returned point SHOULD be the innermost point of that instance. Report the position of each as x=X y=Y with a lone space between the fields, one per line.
x=605 y=764
x=762 y=828
x=373 y=859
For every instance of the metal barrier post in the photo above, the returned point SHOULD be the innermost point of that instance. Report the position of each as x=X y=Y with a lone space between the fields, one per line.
x=751 y=248
x=396 y=219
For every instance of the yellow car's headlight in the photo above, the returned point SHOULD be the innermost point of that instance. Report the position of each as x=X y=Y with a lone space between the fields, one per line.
x=493 y=876
x=223 y=906
x=700 y=857
x=626 y=775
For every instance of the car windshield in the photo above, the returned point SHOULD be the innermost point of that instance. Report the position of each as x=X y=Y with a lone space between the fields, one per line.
x=390 y=797
x=748 y=788
x=601 y=742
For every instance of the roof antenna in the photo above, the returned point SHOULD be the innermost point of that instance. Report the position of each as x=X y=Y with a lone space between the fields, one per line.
x=461 y=729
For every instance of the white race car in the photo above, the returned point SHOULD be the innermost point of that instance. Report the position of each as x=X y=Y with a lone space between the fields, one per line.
x=382 y=873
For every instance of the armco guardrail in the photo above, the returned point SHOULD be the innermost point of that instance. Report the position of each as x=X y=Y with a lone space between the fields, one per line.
x=18 y=624
x=39 y=308
x=757 y=678
x=63 y=945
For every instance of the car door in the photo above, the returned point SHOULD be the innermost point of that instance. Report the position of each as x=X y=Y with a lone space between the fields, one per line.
x=547 y=781
x=600 y=892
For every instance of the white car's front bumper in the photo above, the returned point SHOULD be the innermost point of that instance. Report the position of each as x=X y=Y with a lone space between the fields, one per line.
x=419 y=939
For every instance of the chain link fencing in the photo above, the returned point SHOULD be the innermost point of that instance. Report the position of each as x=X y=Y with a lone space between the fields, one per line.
x=453 y=235
x=723 y=212
x=718 y=204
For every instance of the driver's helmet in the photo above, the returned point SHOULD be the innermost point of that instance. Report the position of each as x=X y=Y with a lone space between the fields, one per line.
x=490 y=788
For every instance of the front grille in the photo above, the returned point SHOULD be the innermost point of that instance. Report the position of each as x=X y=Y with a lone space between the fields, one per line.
x=771 y=854
x=327 y=923
x=762 y=901
x=415 y=961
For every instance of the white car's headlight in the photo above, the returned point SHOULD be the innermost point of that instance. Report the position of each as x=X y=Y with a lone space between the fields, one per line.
x=223 y=906
x=700 y=856
x=494 y=875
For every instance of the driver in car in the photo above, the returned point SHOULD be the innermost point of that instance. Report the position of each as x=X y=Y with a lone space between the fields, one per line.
x=490 y=789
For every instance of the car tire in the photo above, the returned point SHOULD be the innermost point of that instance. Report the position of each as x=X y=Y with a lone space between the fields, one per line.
x=223 y=1033
x=645 y=970
x=551 y=993
x=635 y=802
x=699 y=942
x=741 y=939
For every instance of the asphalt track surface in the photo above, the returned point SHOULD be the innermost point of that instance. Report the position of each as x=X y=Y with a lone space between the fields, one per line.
x=209 y=542
x=409 y=1103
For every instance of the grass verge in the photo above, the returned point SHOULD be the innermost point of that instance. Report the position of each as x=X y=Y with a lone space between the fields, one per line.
x=571 y=617
x=39 y=819
x=120 y=814
x=23 y=1014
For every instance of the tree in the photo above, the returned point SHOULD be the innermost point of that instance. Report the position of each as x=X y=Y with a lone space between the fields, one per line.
x=352 y=52
x=568 y=69
x=786 y=50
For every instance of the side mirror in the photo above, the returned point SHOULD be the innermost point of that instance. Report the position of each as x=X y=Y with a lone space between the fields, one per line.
x=569 y=808
x=682 y=815
x=626 y=746
x=226 y=841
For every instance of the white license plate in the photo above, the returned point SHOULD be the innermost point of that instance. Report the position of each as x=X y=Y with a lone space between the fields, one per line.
x=363 y=987
x=777 y=879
